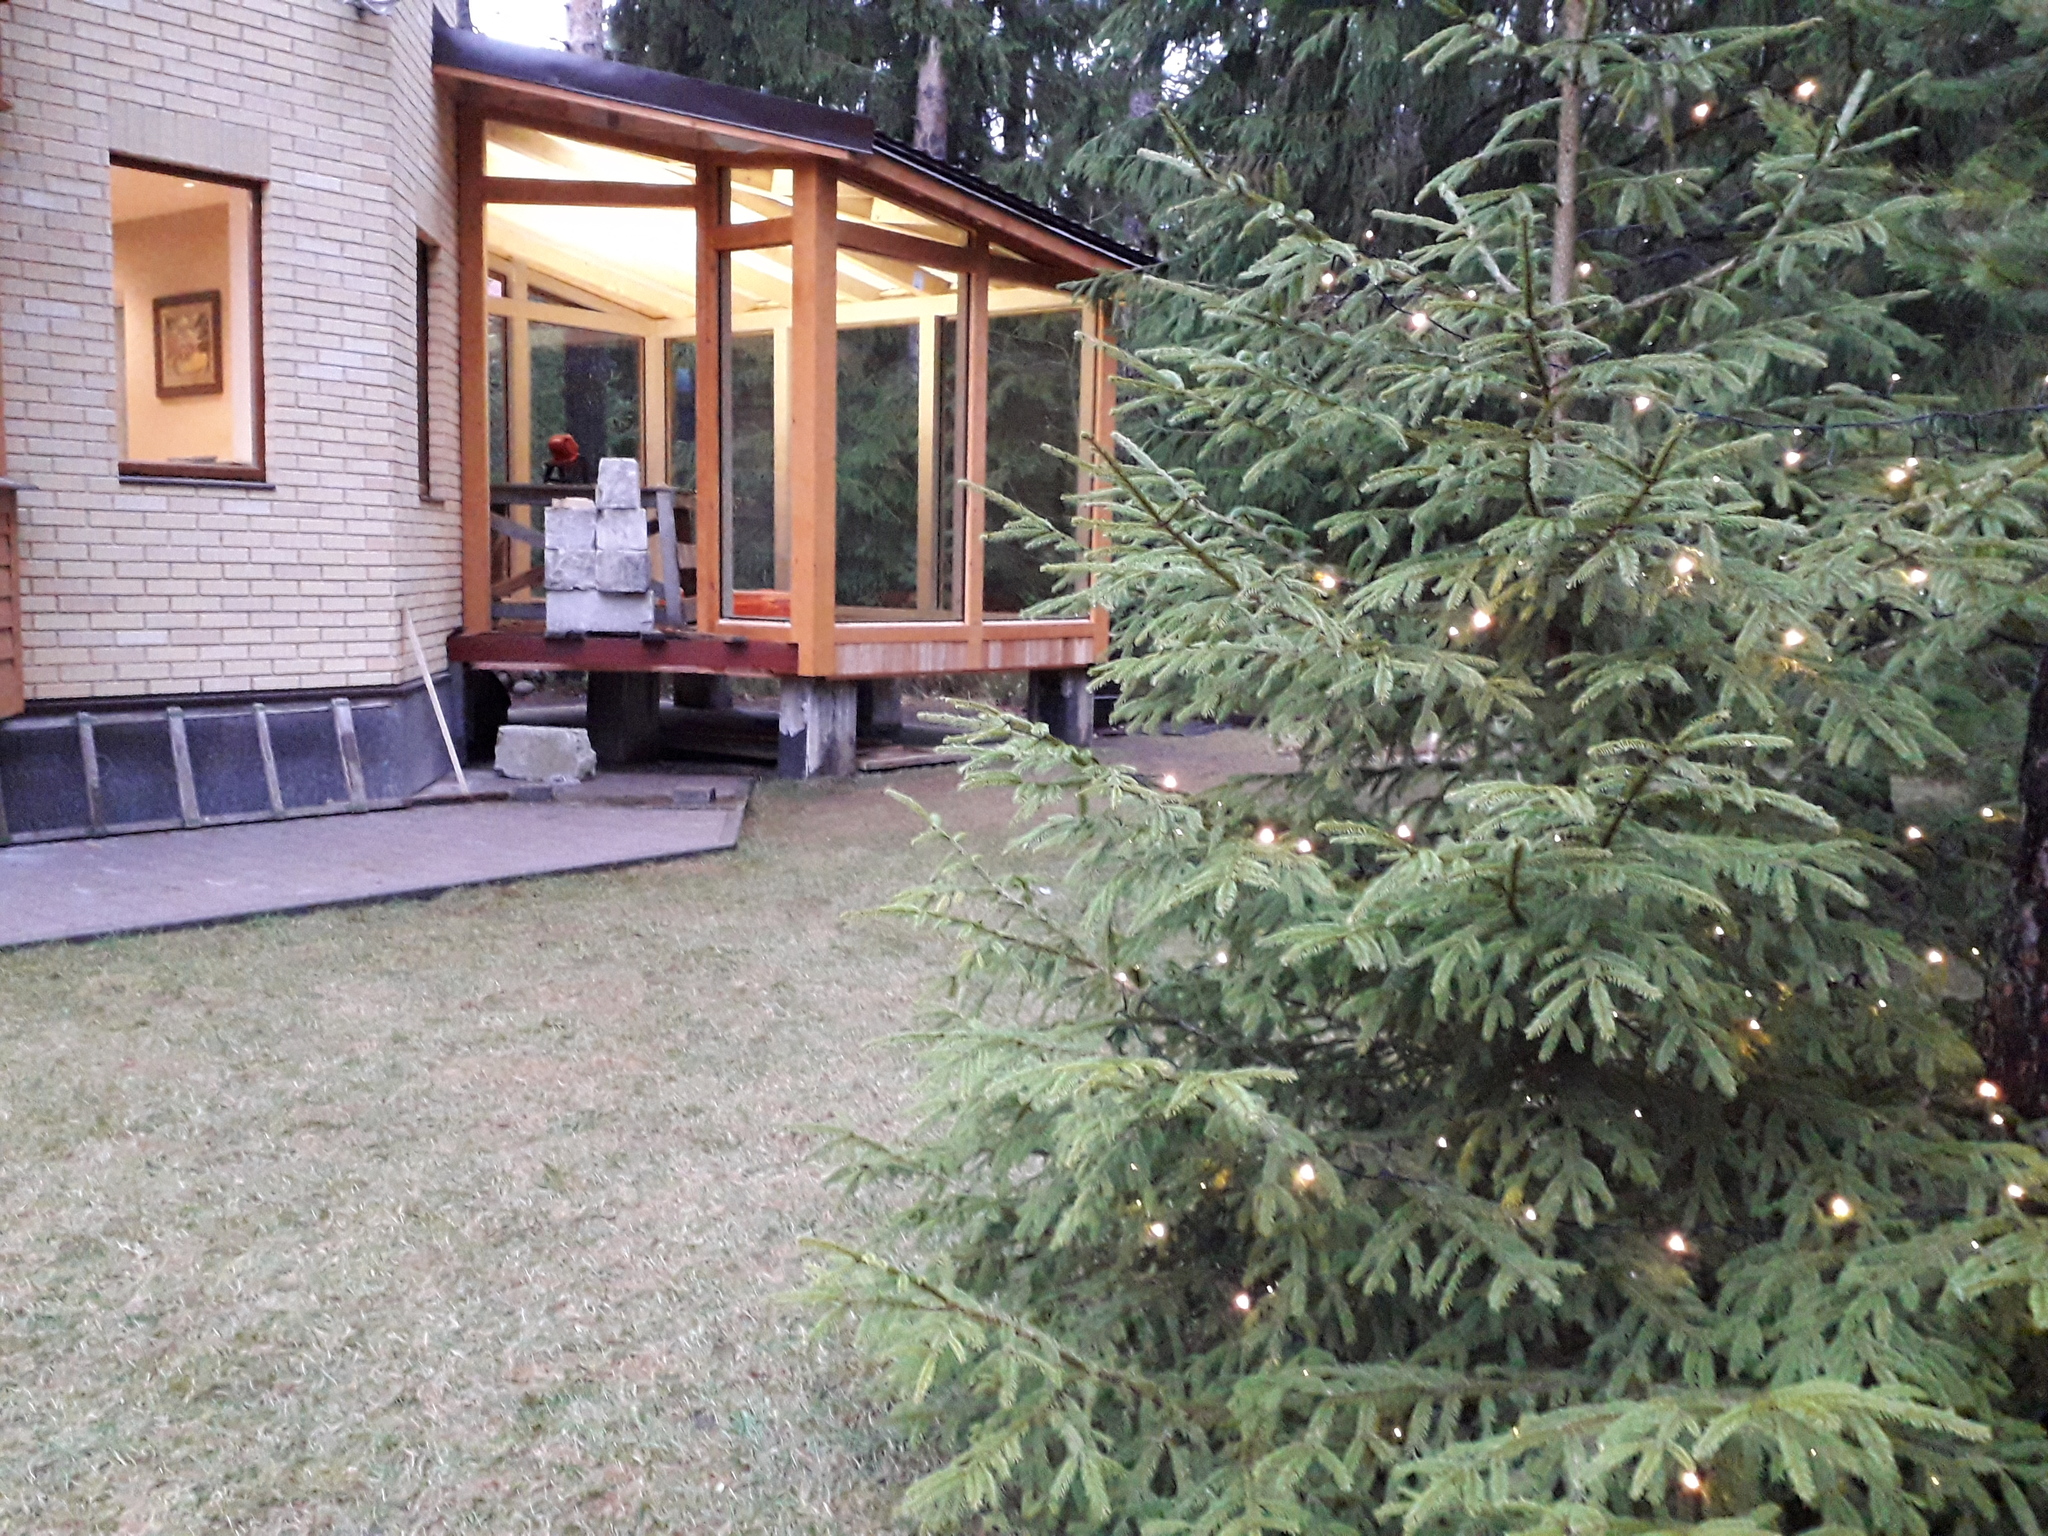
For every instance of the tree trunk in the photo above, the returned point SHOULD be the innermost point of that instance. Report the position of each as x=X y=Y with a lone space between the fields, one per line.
x=2013 y=1035
x=586 y=28
x=1564 y=234
x=930 y=138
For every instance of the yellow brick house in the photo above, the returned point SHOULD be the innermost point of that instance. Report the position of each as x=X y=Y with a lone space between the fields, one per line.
x=296 y=299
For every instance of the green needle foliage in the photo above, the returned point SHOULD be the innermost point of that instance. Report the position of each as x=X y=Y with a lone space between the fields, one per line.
x=1547 y=1111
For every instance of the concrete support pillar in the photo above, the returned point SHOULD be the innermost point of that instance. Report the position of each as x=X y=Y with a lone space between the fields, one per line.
x=624 y=717
x=485 y=704
x=818 y=715
x=702 y=690
x=880 y=711
x=1064 y=701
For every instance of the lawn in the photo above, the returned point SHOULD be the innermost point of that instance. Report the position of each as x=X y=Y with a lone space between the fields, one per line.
x=474 y=1214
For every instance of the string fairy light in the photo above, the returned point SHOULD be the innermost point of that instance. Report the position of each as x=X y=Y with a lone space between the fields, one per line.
x=1528 y=1213
x=1303 y=845
x=1987 y=1089
x=1691 y=1482
x=1481 y=619
x=1914 y=834
x=1840 y=1208
x=1642 y=403
x=1242 y=1301
x=2015 y=1192
x=1936 y=957
x=1793 y=458
x=1305 y=1175
x=1898 y=474
x=1807 y=90
x=1327 y=580
x=1794 y=638
x=1157 y=1231
x=1169 y=781
x=1405 y=832
x=1222 y=957
x=1702 y=111
x=1585 y=269
x=1916 y=577
x=1685 y=565
x=1987 y=813
x=1418 y=322
x=1676 y=1243
x=1266 y=837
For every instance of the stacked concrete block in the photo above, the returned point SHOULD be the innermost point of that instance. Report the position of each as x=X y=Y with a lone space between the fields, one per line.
x=597 y=572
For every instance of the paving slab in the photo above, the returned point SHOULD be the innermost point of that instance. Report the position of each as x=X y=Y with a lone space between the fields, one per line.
x=151 y=880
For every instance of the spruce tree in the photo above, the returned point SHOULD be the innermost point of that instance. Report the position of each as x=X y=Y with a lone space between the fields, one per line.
x=1552 y=1108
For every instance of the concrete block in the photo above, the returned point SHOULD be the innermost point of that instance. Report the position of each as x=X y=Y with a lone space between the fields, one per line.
x=622 y=528
x=572 y=570
x=621 y=570
x=624 y=715
x=545 y=754
x=570 y=524
x=702 y=690
x=599 y=613
x=618 y=483
x=817 y=728
x=1064 y=701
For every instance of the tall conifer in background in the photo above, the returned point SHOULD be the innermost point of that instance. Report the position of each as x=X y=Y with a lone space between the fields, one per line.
x=1551 y=1109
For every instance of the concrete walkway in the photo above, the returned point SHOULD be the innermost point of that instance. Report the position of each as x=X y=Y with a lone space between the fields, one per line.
x=86 y=889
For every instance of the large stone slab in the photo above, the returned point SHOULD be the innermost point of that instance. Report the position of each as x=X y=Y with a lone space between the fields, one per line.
x=622 y=528
x=572 y=570
x=600 y=613
x=545 y=754
x=570 y=524
x=618 y=483
x=621 y=570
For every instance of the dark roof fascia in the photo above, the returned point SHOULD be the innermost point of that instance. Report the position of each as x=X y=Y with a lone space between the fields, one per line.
x=630 y=85
x=988 y=192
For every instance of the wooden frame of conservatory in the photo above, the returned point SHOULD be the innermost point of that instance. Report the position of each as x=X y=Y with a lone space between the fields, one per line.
x=815 y=640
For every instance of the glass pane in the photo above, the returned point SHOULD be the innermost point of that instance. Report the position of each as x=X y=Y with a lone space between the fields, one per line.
x=501 y=437
x=755 y=441
x=682 y=415
x=585 y=384
x=897 y=504
x=1034 y=393
x=183 y=257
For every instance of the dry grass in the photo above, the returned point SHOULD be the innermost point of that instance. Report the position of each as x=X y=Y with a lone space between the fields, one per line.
x=468 y=1215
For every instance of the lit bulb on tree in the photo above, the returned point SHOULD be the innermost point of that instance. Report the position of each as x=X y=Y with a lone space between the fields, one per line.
x=1702 y=112
x=1808 y=89
x=1685 y=565
x=1914 y=834
x=1267 y=836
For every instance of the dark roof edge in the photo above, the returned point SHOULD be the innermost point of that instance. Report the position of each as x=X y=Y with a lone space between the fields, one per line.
x=988 y=192
x=631 y=85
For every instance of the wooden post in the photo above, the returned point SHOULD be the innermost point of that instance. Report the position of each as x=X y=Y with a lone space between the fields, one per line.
x=1100 y=423
x=973 y=434
x=713 y=306
x=473 y=332
x=814 y=390
x=927 y=465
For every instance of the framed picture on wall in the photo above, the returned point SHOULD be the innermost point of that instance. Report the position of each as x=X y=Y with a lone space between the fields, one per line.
x=188 y=345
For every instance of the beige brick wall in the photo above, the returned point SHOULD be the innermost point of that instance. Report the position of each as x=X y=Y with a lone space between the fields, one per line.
x=137 y=589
